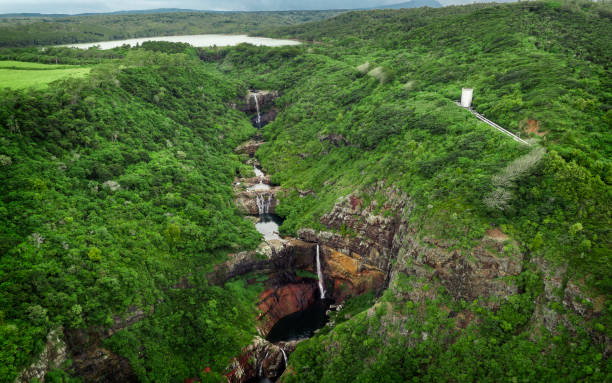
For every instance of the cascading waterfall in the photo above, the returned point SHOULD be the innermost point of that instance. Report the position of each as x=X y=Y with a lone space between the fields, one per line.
x=263 y=203
x=257 y=107
x=284 y=356
x=320 y=275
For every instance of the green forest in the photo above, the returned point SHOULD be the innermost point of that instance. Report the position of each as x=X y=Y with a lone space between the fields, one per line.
x=117 y=186
x=47 y=30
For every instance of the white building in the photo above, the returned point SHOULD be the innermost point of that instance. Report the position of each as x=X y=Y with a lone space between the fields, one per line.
x=466 y=97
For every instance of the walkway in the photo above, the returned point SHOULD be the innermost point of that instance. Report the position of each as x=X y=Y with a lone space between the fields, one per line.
x=486 y=120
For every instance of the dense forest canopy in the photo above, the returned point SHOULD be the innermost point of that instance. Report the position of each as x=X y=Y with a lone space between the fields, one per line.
x=44 y=30
x=116 y=187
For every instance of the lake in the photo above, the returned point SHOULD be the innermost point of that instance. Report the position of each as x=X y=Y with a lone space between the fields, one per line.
x=195 y=40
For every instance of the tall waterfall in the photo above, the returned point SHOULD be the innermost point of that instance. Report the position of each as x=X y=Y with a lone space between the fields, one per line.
x=263 y=202
x=257 y=106
x=320 y=275
x=284 y=356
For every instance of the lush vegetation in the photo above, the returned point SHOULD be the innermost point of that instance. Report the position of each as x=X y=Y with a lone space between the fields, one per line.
x=113 y=188
x=373 y=101
x=117 y=185
x=44 y=30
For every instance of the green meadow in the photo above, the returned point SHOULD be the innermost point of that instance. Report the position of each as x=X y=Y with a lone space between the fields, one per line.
x=19 y=75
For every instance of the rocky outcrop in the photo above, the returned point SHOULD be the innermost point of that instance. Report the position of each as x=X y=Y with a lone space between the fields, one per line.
x=272 y=256
x=266 y=117
x=260 y=359
x=377 y=234
x=278 y=302
x=562 y=299
x=481 y=273
x=360 y=260
x=265 y=98
x=350 y=276
x=249 y=147
x=247 y=200
x=52 y=356
x=95 y=363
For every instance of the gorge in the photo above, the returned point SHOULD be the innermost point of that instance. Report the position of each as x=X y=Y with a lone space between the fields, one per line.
x=315 y=212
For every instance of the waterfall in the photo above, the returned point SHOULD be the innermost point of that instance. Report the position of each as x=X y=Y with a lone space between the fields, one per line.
x=263 y=202
x=259 y=174
x=257 y=106
x=320 y=275
x=284 y=357
x=261 y=364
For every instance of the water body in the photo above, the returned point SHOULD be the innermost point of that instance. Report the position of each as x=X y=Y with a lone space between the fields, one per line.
x=195 y=40
x=268 y=226
x=300 y=325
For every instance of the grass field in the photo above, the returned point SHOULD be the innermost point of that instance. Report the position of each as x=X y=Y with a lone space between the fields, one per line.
x=19 y=75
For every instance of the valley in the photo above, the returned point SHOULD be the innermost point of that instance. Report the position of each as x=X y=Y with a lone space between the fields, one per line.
x=316 y=212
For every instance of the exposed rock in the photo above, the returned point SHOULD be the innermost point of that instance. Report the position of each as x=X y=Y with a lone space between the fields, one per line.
x=133 y=315
x=276 y=303
x=272 y=256
x=477 y=274
x=265 y=98
x=335 y=139
x=247 y=200
x=52 y=356
x=379 y=233
x=249 y=147
x=260 y=359
x=101 y=365
x=95 y=363
x=265 y=118
x=350 y=276
x=563 y=299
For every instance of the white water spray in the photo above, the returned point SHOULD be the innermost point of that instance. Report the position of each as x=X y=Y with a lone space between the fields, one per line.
x=320 y=275
x=263 y=203
x=261 y=364
x=284 y=357
x=257 y=107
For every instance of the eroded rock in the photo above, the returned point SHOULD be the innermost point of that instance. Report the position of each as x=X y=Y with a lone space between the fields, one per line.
x=278 y=302
x=260 y=359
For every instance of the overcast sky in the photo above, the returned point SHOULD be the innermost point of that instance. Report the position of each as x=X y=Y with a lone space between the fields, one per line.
x=81 y=6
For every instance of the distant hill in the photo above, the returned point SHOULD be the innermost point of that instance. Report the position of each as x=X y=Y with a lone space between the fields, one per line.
x=411 y=4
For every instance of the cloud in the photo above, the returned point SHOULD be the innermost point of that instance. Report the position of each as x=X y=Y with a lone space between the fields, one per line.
x=81 y=6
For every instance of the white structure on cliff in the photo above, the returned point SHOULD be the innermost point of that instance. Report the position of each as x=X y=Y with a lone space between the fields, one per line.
x=466 y=97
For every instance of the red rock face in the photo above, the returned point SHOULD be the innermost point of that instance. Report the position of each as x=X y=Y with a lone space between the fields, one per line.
x=350 y=276
x=279 y=302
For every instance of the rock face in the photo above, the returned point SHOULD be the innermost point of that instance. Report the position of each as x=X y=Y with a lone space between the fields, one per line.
x=53 y=356
x=247 y=200
x=574 y=301
x=249 y=147
x=276 y=303
x=359 y=262
x=379 y=234
x=274 y=256
x=260 y=359
x=265 y=98
x=95 y=363
x=350 y=276
x=479 y=274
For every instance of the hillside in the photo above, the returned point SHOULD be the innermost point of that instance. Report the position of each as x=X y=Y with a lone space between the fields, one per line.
x=54 y=30
x=368 y=112
x=133 y=197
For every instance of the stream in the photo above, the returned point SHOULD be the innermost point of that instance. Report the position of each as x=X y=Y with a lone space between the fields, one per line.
x=302 y=324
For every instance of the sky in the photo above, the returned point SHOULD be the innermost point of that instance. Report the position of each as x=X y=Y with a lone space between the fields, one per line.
x=82 y=6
